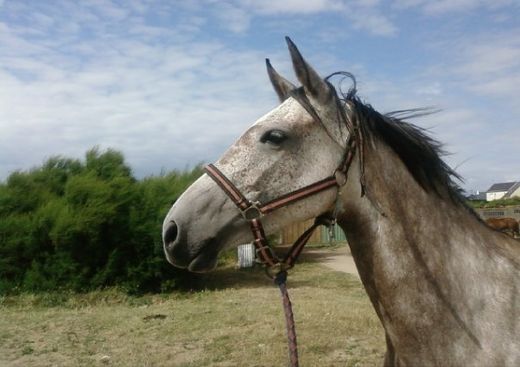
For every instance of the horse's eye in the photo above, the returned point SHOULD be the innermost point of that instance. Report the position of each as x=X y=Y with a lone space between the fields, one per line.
x=275 y=137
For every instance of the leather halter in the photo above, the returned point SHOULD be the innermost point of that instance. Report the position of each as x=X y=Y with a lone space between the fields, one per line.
x=254 y=211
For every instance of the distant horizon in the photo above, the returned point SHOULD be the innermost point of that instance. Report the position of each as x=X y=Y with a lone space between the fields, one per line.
x=173 y=84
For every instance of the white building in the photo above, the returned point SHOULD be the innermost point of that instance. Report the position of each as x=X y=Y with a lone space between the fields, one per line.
x=503 y=190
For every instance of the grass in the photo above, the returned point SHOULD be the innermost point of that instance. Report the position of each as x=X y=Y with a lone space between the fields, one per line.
x=236 y=321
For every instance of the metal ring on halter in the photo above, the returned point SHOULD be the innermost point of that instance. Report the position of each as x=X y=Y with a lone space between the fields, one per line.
x=252 y=212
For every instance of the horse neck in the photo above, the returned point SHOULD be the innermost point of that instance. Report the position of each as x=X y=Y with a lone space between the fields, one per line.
x=416 y=260
x=396 y=223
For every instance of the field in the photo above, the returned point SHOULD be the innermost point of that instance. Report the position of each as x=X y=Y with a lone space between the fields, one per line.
x=236 y=321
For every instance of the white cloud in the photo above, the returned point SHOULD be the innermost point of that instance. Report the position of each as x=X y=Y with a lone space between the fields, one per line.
x=164 y=104
x=363 y=15
x=404 y=4
x=373 y=23
x=440 y=7
x=432 y=89
x=486 y=64
x=500 y=86
x=294 y=6
x=492 y=56
x=232 y=17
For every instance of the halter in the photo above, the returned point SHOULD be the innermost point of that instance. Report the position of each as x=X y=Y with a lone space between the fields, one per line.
x=253 y=211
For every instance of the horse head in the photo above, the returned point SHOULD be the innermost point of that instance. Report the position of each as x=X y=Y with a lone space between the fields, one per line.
x=299 y=142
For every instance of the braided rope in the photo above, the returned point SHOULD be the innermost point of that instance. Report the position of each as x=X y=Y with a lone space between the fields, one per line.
x=280 y=280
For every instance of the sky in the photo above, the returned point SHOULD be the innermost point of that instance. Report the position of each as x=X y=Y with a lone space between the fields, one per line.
x=172 y=84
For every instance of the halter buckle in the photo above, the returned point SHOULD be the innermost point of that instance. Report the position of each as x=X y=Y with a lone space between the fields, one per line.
x=252 y=212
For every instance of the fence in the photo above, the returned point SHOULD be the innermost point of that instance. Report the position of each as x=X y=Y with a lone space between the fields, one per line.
x=320 y=235
x=507 y=211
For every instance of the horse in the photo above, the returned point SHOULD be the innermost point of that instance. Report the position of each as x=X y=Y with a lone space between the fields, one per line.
x=443 y=284
x=504 y=225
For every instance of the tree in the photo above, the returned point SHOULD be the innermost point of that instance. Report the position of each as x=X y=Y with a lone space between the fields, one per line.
x=84 y=225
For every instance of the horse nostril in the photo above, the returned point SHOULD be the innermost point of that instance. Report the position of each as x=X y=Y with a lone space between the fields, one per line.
x=171 y=233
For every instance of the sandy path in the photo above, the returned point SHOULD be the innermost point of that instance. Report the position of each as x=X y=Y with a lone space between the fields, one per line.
x=338 y=259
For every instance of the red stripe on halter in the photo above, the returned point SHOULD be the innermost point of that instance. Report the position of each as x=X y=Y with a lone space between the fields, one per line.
x=298 y=194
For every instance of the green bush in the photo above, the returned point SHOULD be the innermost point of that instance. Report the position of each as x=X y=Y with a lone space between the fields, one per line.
x=79 y=226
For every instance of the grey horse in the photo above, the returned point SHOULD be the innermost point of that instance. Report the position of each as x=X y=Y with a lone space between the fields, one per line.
x=444 y=285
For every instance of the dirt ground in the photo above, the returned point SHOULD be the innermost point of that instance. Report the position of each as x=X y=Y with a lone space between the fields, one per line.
x=336 y=258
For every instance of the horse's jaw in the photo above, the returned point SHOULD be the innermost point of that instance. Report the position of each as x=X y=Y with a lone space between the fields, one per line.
x=203 y=263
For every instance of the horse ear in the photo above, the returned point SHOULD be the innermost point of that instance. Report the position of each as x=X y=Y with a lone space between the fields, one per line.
x=311 y=81
x=281 y=85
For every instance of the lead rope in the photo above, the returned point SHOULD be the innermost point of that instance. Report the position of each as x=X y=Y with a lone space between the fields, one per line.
x=279 y=276
x=280 y=280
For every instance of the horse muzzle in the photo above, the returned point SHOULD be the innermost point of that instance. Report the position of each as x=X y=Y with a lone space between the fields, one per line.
x=200 y=258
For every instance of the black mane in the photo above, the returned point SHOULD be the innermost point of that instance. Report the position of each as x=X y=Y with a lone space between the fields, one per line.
x=420 y=153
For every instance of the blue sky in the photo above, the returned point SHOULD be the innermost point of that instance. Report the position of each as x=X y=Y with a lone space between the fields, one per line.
x=173 y=83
